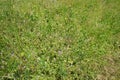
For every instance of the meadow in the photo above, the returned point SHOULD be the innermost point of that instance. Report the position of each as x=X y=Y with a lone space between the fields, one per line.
x=59 y=39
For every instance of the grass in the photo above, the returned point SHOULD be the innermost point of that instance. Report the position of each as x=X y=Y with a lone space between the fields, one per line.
x=59 y=40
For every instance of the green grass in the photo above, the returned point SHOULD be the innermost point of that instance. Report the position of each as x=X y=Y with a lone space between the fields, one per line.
x=59 y=40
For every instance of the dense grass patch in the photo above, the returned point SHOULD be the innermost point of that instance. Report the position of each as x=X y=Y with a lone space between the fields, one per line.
x=59 y=39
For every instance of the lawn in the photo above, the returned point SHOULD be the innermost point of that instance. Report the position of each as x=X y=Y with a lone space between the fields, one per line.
x=59 y=39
